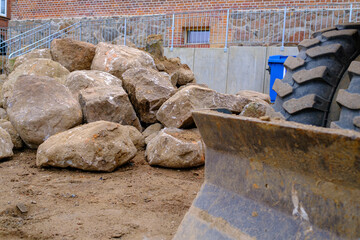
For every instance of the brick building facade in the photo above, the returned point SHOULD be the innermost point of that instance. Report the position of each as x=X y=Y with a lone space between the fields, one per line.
x=5 y=12
x=40 y=9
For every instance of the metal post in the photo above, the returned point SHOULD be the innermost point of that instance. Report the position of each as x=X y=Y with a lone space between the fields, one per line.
x=227 y=30
x=80 y=38
x=172 y=33
x=283 y=34
x=350 y=15
x=125 y=32
x=49 y=34
x=20 y=45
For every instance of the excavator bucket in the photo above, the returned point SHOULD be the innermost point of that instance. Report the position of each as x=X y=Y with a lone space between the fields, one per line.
x=275 y=180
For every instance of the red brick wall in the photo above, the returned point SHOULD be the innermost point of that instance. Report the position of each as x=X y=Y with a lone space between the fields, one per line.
x=4 y=20
x=36 y=9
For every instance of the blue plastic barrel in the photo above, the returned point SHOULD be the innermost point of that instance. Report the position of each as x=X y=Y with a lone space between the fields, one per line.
x=277 y=70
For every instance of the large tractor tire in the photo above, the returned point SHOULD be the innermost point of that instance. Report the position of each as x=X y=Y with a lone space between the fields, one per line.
x=349 y=100
x=307 y=92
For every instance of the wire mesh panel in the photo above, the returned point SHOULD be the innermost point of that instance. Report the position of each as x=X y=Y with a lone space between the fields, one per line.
x=140 y=27
x=71 y=32
x=15 y=38
x=103 y=30
x=302 y=22
x=27 y=38
x=217 y=28
x=199 y=29
x=287 y=25
x=255 y=27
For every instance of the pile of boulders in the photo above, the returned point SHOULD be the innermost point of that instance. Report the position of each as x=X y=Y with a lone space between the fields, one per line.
x=94 y=107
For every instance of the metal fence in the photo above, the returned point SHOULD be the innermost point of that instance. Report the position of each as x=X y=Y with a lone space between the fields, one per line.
x=217 y=28
x=223 y=28
x=26 y=38
x=14 y=38
x=287 y=25
x=73 y=32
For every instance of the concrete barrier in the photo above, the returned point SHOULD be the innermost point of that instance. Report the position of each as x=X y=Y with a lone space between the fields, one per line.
x=246 y=69
x=240 y=68
x=211 y=66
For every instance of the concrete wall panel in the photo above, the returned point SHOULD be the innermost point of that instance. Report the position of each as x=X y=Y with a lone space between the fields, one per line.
x=210 y=68
x=246 y=69
x=241 y=68
x=185 y=54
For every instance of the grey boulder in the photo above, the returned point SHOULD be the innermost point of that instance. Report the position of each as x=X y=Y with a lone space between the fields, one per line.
x=6 y=144
x=108 y=103
x=148 y=89
x=176 y=148
x=36 y=67
x=177 y=110
x=116 y=59
x=15 y=137
x=73 y=54
x=97 y=146
x=41 y=107
x=79 y=80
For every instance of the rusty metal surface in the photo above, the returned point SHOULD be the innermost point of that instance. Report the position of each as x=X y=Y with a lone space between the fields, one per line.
x=268 y=180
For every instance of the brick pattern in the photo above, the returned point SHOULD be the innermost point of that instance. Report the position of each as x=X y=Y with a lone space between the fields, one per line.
x=40 y=9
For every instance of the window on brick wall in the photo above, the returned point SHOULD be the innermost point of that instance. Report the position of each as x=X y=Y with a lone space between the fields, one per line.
x=3 y=8
x=198 y=36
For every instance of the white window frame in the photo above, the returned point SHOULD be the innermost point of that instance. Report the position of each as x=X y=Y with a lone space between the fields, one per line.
x=5 y=14
x=196 y=29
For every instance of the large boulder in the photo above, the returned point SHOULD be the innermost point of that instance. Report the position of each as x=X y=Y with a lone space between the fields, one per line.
x=136 y=137
x=154 y=46
x=79 y=80
x=9 y=65
x=254 y=96
x=2 y=80
x=72 y=54
x=15 y=137
x=116 y=59
x=148 y=89
x=3 y=114
x=6 y=144
x=97 y=146
x=176 y=148
x=37 y=53
x=153 y=128
x=182 y=76
x=255 y=109
x=108 y=103
x=38 y=67
x=151 y=131
x=41 y=107
x=176 y=111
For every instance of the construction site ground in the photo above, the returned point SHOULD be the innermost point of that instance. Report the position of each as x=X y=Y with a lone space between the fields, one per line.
x=136 y=201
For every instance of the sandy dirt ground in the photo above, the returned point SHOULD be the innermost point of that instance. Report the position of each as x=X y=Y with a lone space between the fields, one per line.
x=134 y=202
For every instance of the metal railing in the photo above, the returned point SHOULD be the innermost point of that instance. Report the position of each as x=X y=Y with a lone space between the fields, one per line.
x=224 y=28
x=14 y=38
x=257 y=26
x=19 y=41
x=73 y=32
x=125 y=30
x=9 y=32
x=287 y=25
